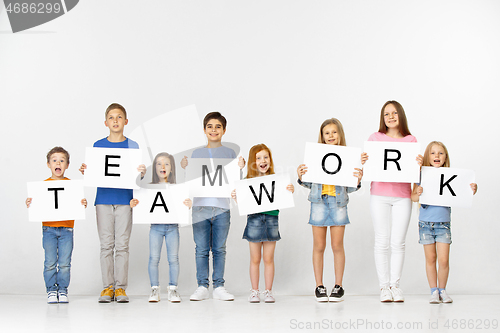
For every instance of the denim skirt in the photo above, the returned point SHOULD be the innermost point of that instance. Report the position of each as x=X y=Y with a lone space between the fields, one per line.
x=327 y=213
x=261 y=228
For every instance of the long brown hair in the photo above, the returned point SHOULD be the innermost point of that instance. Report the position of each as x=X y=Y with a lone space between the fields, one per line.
x=171 y=176
x=403 y=123
x=252 y=170
x=340 y=130
x=427 y=160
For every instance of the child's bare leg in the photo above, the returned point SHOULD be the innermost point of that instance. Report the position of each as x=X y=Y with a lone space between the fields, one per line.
x=430 y=264
x=268 y=254
x=443 y=253
x=337 y=235
x=255 y=263
x=319 y=245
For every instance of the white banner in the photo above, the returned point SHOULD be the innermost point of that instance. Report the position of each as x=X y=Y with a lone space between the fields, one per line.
x=172 y=132
x=262 y=194
x=162 y=204
x=112 y=167
x=331 y=164
x=212 y=177
x=56 y=200
x=392 y=162
x=448 y=187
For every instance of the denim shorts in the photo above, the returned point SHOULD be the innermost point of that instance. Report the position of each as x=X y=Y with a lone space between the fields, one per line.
x=327 y=213
x=261 y=228
x=434 y=232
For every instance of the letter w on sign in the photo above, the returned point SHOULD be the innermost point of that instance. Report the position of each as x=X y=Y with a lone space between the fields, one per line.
x=276 y=195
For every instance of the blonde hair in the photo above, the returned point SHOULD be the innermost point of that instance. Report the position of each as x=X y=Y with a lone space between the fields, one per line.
x=427 y=160
x=252 y=170
x=171 y=176
x=340 y=131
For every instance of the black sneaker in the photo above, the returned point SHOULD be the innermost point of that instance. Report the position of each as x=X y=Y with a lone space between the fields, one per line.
x=321 y=295
x=337 y=294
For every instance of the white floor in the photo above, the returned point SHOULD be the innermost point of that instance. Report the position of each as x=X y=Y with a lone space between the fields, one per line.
x=30 y=313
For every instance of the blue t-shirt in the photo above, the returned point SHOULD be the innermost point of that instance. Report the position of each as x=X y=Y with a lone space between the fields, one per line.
x=114 y=196
x=219 y=152
x=430 y=213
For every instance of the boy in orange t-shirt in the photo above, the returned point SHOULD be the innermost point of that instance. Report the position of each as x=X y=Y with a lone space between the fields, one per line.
x=57 y=237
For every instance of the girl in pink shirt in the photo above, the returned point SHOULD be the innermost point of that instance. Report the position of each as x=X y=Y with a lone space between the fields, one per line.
x=390 y=206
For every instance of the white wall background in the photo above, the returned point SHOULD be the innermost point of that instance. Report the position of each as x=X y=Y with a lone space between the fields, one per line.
x=276 y=70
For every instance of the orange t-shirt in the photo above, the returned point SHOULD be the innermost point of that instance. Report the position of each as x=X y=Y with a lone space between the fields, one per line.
x=66 y=224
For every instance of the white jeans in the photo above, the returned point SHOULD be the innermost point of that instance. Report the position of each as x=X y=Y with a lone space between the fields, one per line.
x=390 y=216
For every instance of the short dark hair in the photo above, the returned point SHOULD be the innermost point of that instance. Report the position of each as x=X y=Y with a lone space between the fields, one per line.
x=215 y=115
x=57 y=150
x=114 y=106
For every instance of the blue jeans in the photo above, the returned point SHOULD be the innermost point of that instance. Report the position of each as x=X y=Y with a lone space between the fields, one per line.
x=210 y=230
x=171 y=234
x=58 y=245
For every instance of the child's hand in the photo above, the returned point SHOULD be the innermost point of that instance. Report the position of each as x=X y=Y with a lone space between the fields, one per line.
x=134 y=202
x=142 y=169
x=420 y=160
x=420 y=190
x=28 y=202
x=473 y=186
x=364 y=158
x=233 y=195
x=241 y=162
x=302 y=169
x=290 y=188
x=84 y=202
x=359 y=174
x=184 y=162
x=82 y=168
x=188 y=202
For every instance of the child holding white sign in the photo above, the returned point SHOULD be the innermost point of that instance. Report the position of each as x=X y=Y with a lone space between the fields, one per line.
x=57 y=237
x=261 y=231
x=390 y=205
x=434 y=228
x=163 y=172
x=329 y=209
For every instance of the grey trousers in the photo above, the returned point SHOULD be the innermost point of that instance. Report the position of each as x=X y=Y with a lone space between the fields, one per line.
x=114 y=225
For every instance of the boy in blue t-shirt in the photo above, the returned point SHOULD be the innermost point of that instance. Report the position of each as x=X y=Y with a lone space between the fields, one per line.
x=114 y=214
x=211 y=216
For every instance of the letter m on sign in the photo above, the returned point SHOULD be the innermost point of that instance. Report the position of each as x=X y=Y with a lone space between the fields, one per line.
x=218 y=173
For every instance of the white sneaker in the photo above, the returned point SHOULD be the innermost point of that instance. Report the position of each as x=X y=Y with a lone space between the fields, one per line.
x=254 y=296
x=63 y=297
x=199 y=294
x=222 y=294
x=435 y=299
x=268 y=294
x=397 y=294
x=52 y=297
x=444 y=297
x=155 y=294
x=173 y=295
x=385 y=295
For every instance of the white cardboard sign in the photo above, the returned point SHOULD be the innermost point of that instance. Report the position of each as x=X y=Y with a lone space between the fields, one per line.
x=392 y=162
x=448 y=187
x=331 y=164
x=212 y=177
x=162 y=204
x=112 y=167
x=56 y=200
x=262 y=194
x=172 y=132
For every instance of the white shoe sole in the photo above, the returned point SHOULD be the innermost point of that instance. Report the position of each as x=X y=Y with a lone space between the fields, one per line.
x=335 y=299
x=322 y=299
